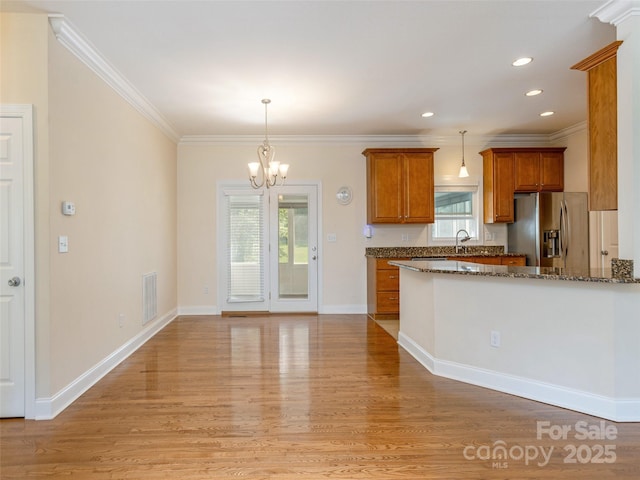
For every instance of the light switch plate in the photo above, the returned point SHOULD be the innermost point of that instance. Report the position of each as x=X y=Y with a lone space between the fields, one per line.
x=63 y=244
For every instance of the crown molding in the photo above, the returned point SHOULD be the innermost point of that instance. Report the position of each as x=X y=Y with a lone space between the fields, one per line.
x=504 y=140
x=229 y=140
x=616 y=11
x=71 y=39
x=567 y=132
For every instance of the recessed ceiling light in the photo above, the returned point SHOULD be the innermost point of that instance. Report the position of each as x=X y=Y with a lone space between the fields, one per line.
x=427 y=114
x=522 y=61
x=547 y=114
x=533 y=93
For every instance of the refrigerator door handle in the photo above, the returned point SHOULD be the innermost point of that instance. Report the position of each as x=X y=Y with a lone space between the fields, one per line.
x=561 y=239
x=566 y=233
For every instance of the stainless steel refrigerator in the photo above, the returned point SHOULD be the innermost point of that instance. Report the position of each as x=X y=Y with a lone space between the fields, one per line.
x=552 y=229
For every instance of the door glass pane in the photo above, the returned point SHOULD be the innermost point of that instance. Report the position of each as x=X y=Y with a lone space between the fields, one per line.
x=293 y=246
x=245 y=254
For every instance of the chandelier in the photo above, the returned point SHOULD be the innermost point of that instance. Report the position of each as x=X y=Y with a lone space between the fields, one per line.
x=268 y=168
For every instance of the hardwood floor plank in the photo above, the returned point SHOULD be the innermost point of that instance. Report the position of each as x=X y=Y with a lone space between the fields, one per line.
x=308 y=397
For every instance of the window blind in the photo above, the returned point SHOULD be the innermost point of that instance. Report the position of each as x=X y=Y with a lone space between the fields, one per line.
x=245 y=250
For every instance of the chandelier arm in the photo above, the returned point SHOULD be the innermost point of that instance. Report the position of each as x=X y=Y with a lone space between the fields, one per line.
x=262 y=170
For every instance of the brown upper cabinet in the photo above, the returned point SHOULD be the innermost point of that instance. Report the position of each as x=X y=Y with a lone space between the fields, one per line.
x=539 y=170
x=511 y=170
x=601 y=71
x=400 y=185
x=498 y=190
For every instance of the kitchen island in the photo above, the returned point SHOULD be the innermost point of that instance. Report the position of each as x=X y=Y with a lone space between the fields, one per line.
x=570 y=339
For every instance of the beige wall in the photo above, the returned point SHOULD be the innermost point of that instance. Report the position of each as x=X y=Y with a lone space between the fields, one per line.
x=343 y=266
x=94 y=149
x=120 y=171
x=200 y=167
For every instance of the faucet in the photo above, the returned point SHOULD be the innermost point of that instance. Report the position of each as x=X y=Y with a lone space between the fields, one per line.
x=465 y=239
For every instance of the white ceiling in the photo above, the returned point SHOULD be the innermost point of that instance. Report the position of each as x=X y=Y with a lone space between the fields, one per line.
x=347 y=67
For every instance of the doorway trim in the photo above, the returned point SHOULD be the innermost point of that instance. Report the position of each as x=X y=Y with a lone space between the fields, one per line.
x=25 y=113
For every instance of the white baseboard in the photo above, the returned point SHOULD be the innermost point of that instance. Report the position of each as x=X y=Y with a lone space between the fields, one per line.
x=199 y=310
x=417 y=352
x=48 y=408
x=342 y=309
x=617 y=410
x=322 y=310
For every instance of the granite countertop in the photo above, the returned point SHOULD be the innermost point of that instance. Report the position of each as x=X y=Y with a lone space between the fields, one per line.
x=543 y=273
x=448 y=251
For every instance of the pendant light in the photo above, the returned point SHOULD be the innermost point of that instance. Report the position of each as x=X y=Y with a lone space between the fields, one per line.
x=463 y=168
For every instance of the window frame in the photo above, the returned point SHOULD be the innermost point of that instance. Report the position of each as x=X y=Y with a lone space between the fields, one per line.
x=453 y=184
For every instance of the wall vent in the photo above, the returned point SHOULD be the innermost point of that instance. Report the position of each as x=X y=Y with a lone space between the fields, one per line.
x=149 y=297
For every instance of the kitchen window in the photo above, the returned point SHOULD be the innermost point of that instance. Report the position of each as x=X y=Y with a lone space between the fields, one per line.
x=456 y=207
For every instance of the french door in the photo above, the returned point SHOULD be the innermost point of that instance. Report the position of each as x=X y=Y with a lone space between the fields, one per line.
x=270 y=249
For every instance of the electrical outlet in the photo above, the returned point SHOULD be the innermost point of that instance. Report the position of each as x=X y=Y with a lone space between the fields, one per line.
x=121 y=320
x=495 y=338
x=205 y=290
x=405 y=237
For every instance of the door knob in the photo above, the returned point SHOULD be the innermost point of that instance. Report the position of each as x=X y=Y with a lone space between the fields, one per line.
x=14 y=282
x=314 y=257
x=604 y=252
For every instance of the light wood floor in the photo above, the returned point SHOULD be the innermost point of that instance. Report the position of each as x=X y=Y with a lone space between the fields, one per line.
x=310 y=397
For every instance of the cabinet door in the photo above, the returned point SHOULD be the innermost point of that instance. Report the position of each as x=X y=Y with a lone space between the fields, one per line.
x=503 y=187
x=526 y=167
x=551 y=172
x=385 y=177
x=419 y=189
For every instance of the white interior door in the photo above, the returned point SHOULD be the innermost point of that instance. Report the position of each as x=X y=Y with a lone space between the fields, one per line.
x=12 y=269
x=293 y=233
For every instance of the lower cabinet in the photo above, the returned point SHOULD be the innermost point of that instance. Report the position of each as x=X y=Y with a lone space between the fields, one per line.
x=383 y=288
x=520 y=261
x=383 y=282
